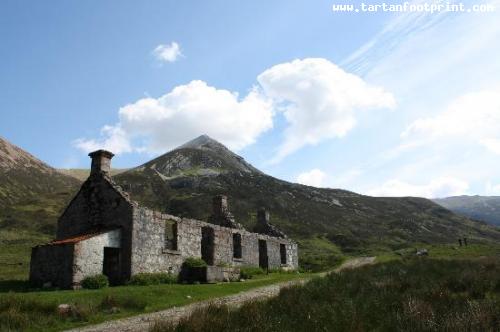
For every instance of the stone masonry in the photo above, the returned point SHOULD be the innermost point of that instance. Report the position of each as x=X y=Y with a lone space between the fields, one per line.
x=102 y=231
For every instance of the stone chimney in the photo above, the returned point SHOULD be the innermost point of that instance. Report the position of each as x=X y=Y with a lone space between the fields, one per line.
x=263 y=216
x=263 y=225
x=221 y=214
x=101 y=162
x=219 y=205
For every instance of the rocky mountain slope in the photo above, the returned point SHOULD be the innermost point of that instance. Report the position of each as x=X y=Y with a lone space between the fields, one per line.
x=324 y=221
x=485 y=208
x=32 y=193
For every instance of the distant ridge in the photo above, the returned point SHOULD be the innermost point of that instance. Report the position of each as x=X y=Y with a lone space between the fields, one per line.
x=485 y=208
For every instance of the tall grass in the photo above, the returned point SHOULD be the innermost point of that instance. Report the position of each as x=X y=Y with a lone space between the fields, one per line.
x=415 y=295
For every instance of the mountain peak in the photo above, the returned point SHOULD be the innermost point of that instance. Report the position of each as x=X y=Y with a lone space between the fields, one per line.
x=200 y=156
x=203 y=142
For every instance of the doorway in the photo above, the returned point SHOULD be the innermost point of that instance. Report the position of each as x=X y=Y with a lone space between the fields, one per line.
x=111 y=265
x=263 y=260
x=207 y=245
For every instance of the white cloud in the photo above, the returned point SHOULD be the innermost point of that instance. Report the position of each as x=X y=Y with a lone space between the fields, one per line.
x=180 y=115
x=314 y=177
x=114 y=139
x=474 y=117
x=441 y=187
x=167 y=53
x=319 y=100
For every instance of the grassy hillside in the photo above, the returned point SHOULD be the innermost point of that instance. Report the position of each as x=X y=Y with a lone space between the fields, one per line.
x=32 y=196
x=412 y=295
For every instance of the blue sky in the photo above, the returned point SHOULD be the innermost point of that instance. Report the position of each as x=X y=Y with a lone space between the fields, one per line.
x=380 y=103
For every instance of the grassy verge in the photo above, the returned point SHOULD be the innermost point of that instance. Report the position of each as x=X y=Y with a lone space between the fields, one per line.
x=418 y=294
x=36 y=310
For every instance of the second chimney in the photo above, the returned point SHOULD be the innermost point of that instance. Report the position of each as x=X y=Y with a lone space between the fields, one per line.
x=263 y=216
x=219 y=205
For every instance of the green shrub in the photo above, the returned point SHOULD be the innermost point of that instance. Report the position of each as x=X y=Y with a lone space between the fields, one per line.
x=95 y=282
x=247 y=272
x=144 y=279
x=191 y=262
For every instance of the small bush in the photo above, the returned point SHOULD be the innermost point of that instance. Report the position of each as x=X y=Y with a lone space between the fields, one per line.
x=191 y=262
x=95 y=282
x=144 y=279
x=248 y=272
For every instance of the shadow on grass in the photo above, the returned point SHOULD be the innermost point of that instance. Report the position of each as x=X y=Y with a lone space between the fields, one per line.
x=15 y=286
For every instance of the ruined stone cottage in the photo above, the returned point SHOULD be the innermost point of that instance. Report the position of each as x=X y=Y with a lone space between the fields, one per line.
x=103 y=231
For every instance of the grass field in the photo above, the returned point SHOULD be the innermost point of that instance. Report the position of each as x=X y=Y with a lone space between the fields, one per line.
x=36 y=310
x=417 y=294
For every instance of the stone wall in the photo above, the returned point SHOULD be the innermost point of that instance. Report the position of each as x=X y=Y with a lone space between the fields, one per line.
x=89 y=254
x=148 y=244
x=149 y=253
x=52 y=265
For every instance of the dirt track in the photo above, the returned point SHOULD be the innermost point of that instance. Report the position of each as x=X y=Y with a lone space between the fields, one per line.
x=142 y=322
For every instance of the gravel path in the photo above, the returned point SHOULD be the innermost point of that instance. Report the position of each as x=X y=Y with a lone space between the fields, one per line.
x=142 y=322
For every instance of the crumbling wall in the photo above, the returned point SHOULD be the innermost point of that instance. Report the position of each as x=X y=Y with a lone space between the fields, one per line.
x=52 y=265
x=89 y=254
x=149 y=253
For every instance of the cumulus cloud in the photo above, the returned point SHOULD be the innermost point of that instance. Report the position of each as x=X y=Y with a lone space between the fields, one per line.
x=319 y=100
x=184 y=113
x=314 y=177
x=167 y=53
x=114 y=139
x=474 y=117
x=440 y=187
